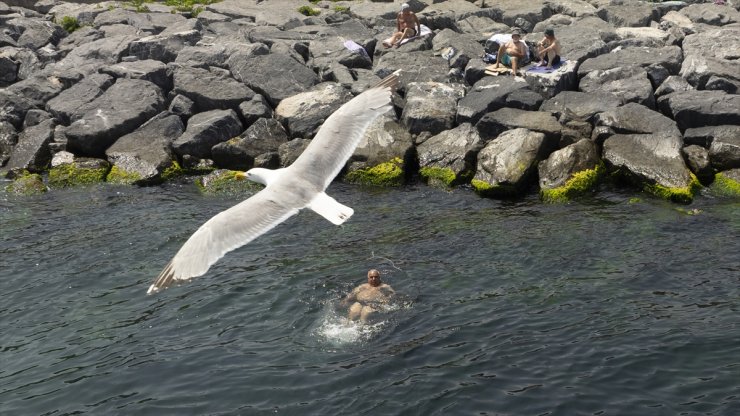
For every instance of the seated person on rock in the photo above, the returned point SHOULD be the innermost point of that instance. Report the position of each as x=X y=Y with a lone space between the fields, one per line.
x=512 y=53
x=548 y=49
x=368 y=297
x=407 y=25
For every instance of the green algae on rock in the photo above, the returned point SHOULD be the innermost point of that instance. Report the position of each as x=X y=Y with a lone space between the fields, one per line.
x=224 y=181
x=579 y=184
x=121 y=176
x=438 y=176
x=683 y=195
x=27 y=184
x=385 y=174
x=82 y=171
x=725 y=185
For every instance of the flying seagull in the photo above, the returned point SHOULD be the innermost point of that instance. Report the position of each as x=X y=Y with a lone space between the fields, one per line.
x=287 y=190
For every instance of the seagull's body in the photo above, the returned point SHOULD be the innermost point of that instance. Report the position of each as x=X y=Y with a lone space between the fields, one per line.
x=287 y=190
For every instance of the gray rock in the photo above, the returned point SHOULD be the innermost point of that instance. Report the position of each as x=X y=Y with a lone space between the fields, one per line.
x=210 y=89
x=669 y=58
x=561 y=165
x=275 y=76
x=710 y=14
x=697 y=159
x=324 y=54
x=34 y=117
x=118 y=111
x=634 y=118
x=704 y=136
x=32 y=151
x=289 y=152
x=38 y=90
x=145 y=153
x=452 y=151
x=579 y=105
x=145 y=23
x=671 y=84
x=302 y=114
x=384 y=140
x=630 y=84
x=628 y=13
x=522 y=14
x=493 y=124
x=105 y=50
x=466 y=47
x=206 y=53
x=524 y=99
x=550 y=84
x=649 y=160
x=182 y=106
x=8 y=71
x=420 y=66
x=8 y=140
x=430 y=106
x=488 y=94
x=72 y=103
x=701 y=108
x=206 y=130
x=167 y=45
x=506 y=166
x=711 y=59
x=13 y=108
x=254 y=109
x=35 y=33
x=148 y=70
x=582 y=38
x=724 y=152
x=264 y=137
x=81 y=36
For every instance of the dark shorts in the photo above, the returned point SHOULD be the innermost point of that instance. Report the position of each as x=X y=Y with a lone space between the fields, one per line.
x=412 y=32
x=555 y=60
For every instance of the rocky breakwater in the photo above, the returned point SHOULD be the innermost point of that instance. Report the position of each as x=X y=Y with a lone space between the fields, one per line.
x=134 y=92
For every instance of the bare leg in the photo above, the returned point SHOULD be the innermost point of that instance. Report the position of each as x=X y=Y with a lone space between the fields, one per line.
x=514 y=64
x=355 y=311
x=550 y=57
x=366 y=312
x=406 y=34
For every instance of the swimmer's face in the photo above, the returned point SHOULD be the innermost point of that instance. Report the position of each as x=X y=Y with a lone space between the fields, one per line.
x=373 y=279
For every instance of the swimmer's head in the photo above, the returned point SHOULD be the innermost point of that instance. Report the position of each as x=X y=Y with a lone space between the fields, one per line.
x=373 y=277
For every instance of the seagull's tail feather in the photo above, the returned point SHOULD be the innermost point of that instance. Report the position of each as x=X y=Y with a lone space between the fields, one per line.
x=163 y=280
x=391 y=81
x=330 y=209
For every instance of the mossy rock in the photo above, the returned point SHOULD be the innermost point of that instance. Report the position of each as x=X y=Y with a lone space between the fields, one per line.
x=121 y=176
x=79 y=173
x=725 y=186
x=579 y=184
x=385 y=174
x=486 y=189
x=27 y=184
x=683 y=195
x=173 y=171
x=442 y=177
x=225 y=181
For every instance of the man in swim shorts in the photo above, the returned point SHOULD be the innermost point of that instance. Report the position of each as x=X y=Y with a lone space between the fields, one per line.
x=512 y=53
x=549 y=49
x=367 y=297
x=407 y=25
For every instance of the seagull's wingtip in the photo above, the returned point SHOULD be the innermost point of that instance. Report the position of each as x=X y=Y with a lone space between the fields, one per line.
x=152 y=289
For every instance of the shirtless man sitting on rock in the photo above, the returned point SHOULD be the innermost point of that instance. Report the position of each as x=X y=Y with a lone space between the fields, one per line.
x=512 y=53
x=407 y=25
x=368 y=297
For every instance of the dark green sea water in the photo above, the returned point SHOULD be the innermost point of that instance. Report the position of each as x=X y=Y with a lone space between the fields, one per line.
x=598 y=307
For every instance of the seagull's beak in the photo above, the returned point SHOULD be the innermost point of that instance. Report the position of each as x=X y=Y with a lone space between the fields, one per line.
x=240 y=175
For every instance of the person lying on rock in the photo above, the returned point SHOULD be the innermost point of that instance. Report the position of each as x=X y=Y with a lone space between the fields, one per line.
x=549 y=49
x=512 y=53
x=368 y=297
x=407 y=26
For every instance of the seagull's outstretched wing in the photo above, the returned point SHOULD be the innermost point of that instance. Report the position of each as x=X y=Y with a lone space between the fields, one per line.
x=342 y=131
x=224 y=232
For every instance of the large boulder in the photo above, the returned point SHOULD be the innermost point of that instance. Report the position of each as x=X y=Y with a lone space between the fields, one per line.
x=144 y=156
x=420 y=66
x=265 y=136
x=121 y=109
x=711 y=59
x=630 y=13
x=667 y=58
x=88 y=56
x=303 y=114
x=148 y=70
x=507 y=165
x=494 y=123
x=653 y=162
x=570 y=171
x=449 y=157
x=13 y=108
x=34 y=33
x=206 y=130
x=704 y=136
x=697 y=159
x=68 y=170
x=710 y=14
x=550 y=84
x=431 y=106
x=580 y=105
x=72 y=103
x=488 y=94
x=32 y=151
x=38 y=89
x=275 y=76
x=630 y=84
x=384 y=155
x=210 y=89
x=167 y=45
x=701 y=108
x=8 y=140
x=634 y=118
x=724 y=153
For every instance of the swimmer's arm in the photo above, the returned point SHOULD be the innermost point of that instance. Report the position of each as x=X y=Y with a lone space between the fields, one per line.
x=352 y=296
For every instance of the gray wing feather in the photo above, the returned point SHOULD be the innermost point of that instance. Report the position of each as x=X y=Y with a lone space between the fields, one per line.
x=340 y=134
x=224 y=232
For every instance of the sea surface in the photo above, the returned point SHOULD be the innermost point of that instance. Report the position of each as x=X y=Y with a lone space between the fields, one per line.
x=609 y=305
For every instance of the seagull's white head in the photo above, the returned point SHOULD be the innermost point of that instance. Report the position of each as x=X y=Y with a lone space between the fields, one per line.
x=259 y=175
